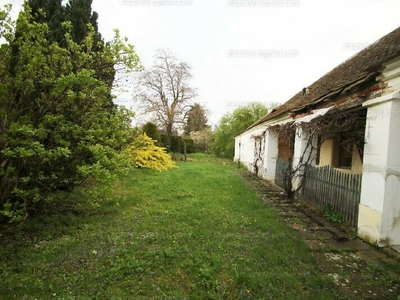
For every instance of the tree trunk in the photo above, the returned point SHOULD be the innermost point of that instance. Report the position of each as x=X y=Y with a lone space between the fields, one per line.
x=169 y=135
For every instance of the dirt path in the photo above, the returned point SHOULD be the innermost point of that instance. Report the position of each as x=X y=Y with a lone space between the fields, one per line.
x=360 y=270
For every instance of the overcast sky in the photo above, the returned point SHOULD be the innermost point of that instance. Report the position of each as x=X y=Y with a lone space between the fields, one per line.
x=243 y=51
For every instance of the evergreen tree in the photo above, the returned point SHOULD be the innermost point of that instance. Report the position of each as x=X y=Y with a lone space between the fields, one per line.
x=50 y=12
x=81 y=16
x=53 y=13
x=151 y=130
x=79 y=13
x=82 y=20
x=196 y=119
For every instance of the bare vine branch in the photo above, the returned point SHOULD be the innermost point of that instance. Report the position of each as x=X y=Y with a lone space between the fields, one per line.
x=348 y=125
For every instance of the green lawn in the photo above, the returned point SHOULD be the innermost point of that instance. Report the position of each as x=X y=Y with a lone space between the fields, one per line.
x=195 y=232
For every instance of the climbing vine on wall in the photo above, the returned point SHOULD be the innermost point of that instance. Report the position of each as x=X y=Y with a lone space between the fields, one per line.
x=314 y=134
x=259 y=150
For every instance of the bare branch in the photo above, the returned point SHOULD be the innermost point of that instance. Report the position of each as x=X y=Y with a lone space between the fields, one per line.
x=164 y=91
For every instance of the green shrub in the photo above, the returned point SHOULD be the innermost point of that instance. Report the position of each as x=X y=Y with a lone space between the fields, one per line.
x=143 y=153
x=58 y=127
x=151 y=131
x=189 y=146
x=176 y=144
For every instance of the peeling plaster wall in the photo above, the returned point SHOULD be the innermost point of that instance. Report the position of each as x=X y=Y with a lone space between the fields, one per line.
x=242 y=153
x=283 y=149
x=356 y=164
x=246 y=151
x=391 y=75
x=326 y=153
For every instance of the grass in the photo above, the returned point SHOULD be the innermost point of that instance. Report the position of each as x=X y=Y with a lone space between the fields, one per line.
x=195 y=232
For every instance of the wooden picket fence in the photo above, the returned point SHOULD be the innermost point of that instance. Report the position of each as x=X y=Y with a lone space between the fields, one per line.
x=327 y=187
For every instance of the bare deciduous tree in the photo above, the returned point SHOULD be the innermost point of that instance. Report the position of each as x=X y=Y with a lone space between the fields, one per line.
x=164 y=93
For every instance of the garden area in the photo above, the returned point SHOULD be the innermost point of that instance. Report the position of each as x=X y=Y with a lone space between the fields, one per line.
x=102 y=201
x=194 y=232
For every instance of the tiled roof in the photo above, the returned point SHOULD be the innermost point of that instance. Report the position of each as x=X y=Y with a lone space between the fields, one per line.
x=364 y=65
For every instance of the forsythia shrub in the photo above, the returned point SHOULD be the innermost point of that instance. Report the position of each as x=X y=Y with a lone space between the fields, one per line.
x=142 y=152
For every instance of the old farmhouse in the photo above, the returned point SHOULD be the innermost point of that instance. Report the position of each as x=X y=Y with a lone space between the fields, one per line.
x=337 y=142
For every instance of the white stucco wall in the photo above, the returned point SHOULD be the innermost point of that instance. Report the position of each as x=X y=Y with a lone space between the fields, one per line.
x=304 y=151
x=379 y=216
x=270 y=155
x=245 y=153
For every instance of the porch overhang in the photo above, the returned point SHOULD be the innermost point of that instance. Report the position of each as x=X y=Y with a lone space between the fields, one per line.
x=315 y=114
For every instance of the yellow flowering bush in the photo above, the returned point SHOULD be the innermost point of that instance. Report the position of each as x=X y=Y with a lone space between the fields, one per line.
x=144 y=154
